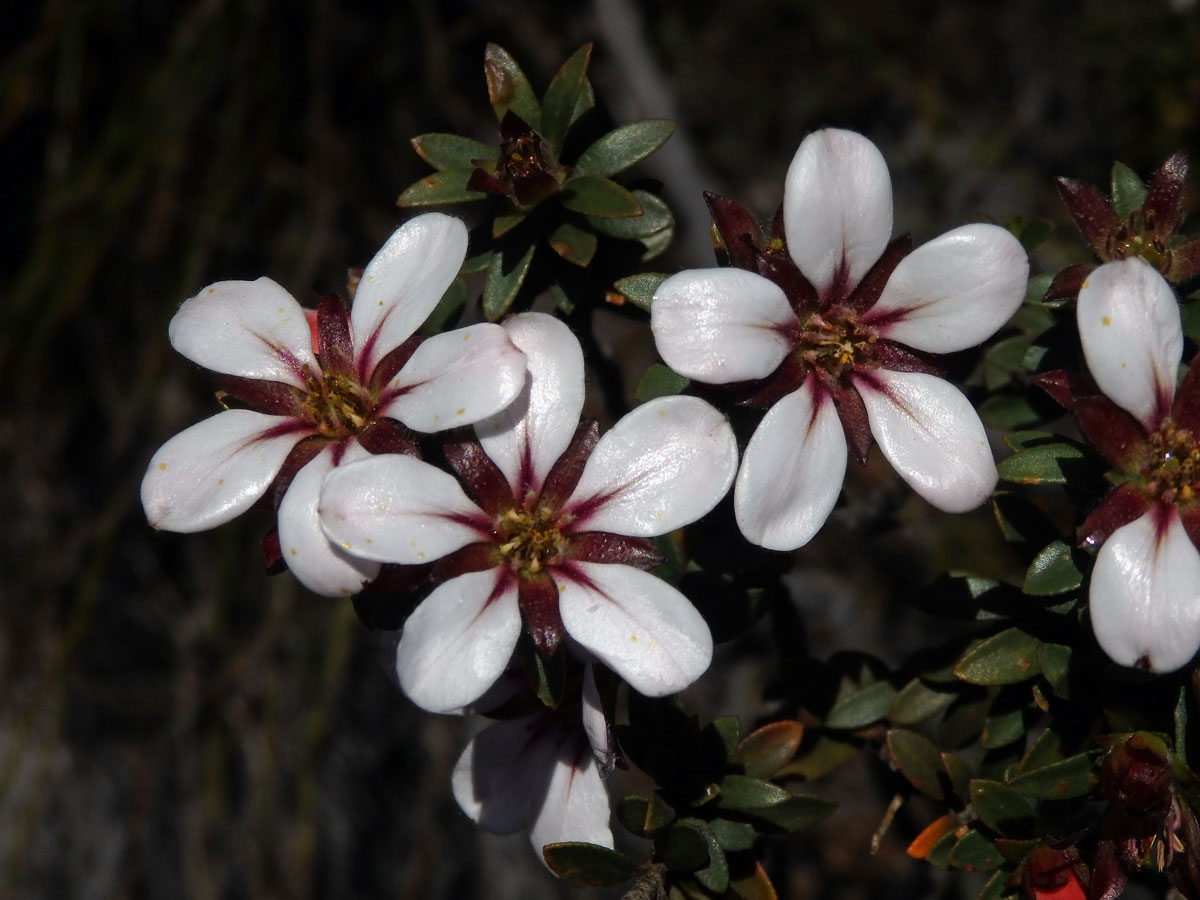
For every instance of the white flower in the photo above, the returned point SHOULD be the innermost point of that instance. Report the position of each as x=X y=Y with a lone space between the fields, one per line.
x=314 y=411
x=533 y=773
x=1145 y=590
x=830 y=331
x=553 y=534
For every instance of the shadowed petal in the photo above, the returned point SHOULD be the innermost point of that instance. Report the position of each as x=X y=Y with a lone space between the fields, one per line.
x=403 y=283
x=595 y=725
x=638 y=625
x=398 y=509
x=931 y=435
x=459 y=640
x=254 y=329
x=576 y=805
x=1132 y=337
x=527 y=437
x=457 y=378
x=1145 y=593
x=502 y=776
x=954 y=292
x=663 y=465
x=319 y=565
x=721 y=325
x=215 y=470
x=837 y=209
x=792 y=470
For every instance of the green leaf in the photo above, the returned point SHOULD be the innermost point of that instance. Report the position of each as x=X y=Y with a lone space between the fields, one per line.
x=918 y=701
x=727 y=730
x=754 y=885
x=658 y=381
x=1036 y=289
x=588 y=865
x=796 y=813
x=714 y=876
x=999 y=807
x=1007 y=411
x=1074 y=776
x=1055 y=662
x=1005 y=727
x=861 y=708
x=827 y=753
x=959 y=773
x=939 y=854
x=596 y=196
x=562 y=98
x=639 y=290
x=644 y=815
x=623 y=147
x=996 y=888
x=766 y=750
x=686 y=848
x=551 y=675
x=1190 y=314
x=1009 y=657
x=656 y=217
x=574 y=244
x=1128 y=191
x=586 y=101
x=918 y=760
x=440 y=188
x=1045 y=749
x=1005 y=358
x=504 y=279
x=975 y=853
x=480 y=262
x=1035 y=233
x=451 y=151
x=508 y=216
x=508 y=88
x=1052 y=572
x=741 y=792
x=561 y=299
x=1040 y=464
x=732 y=836
x=452 y=301
x=1019 y=440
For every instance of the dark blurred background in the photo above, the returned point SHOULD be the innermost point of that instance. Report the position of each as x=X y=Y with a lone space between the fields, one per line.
x=173 y=723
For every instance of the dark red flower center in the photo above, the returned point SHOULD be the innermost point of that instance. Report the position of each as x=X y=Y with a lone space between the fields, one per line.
x=1140 y=236
x=834 y=339
x=529 y=540
x=1174 y=469
x=336 y=404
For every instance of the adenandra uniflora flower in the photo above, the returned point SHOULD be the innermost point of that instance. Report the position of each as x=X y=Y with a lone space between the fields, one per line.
x=551 y=532
x=827 y=329
x=539 y=773
x=1145 y=589
x=313 y=411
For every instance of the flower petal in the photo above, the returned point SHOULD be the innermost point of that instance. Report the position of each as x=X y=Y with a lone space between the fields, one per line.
x=954 y=292
x=721 y=325
x=403 y=283
x=638 y=625
x=457 y=378
x=1132 y=337
x=215 y=470
x=398 y=509
x=319 y=565
x=931 y=435
x=1145 y=593
x=254 y=329
x=792 y=470
x=663 y=465
x=528 y=437
x=837 y=209
x=502 y=776
x=595 y=725
x=575 y=807
x=458 y=641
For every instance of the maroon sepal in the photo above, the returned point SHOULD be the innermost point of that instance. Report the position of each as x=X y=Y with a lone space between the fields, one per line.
x=867 y=292
x=391 y=364
x=603 y=547
x=537 y=596
x=739 y=232
x=1122 y=506
x=485 y=182
x=1108 y=875
x=1091 y=212
x=1184 y=867
x=853 y=412
x=1066 y=283
x=778 y=232
x=1185 y=261
x=388 y=436
x=482 y=478
x=272 y=397
x=272 y=552
x=297 y=459
x=1111 y=430
x=477 y=557
x=1185 y=409
x=335 y=346
x=560 y=482
x=1063 y=386
x=899 y=358
x=784 y=380
x=778 y=266
x=1162 y=205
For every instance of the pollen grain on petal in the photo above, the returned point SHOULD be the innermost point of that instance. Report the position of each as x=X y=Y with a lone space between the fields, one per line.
x=162 y=467
x=1105 y=320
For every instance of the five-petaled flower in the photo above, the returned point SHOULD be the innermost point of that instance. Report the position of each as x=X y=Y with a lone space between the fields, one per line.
x=554 y=532
x=1145 y=589
x=824 y=327
x=313 y=411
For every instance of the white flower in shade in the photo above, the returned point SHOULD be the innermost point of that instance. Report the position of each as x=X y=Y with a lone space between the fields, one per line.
x=553 y=532
x=1144 y=596
x=314 y=411
x=824 y=326
x=540 y=774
